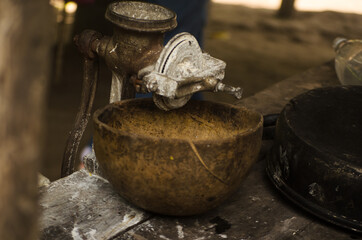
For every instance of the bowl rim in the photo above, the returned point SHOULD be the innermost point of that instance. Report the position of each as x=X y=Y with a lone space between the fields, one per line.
x=98 y=123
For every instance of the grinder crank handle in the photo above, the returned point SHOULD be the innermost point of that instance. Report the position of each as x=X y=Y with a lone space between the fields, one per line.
x=237 y=92
x=85 y=43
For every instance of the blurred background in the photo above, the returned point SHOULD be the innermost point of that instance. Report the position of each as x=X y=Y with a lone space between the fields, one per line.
x=260 y=44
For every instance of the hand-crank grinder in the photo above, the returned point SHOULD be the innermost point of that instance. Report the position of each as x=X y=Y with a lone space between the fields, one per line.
x=139 y=63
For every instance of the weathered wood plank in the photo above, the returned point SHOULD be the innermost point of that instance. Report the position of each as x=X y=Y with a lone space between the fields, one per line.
x=256 y=211
x=274 y=98
x=84 y=206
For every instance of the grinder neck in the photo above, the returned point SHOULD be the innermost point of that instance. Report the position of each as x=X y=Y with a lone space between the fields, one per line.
x=136 y=42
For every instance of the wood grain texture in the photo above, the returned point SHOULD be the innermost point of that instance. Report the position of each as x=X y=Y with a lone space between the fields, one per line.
x=256 y=211
x=273 y=99
x=84 y=206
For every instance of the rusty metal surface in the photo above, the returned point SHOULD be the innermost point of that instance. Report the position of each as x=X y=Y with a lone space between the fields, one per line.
x=141 y=16
x=181 y=162
x=90 y=78
x=136 y=42
x=125 y=52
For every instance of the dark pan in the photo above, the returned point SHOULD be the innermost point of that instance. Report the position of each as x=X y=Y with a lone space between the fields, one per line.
x=316 y=160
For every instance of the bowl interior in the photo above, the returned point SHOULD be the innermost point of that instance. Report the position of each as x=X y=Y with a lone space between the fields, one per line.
x=198 y=120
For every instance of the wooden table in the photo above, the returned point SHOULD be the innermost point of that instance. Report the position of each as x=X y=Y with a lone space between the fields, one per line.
x=84 y=206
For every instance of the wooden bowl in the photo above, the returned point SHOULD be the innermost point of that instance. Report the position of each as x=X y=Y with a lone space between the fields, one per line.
x=182 y=162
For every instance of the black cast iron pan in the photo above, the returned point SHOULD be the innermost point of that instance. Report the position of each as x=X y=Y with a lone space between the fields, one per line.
x=316 y=159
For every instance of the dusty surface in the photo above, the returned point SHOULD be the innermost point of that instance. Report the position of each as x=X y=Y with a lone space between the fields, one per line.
x=258 y=48
x=94 y=210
